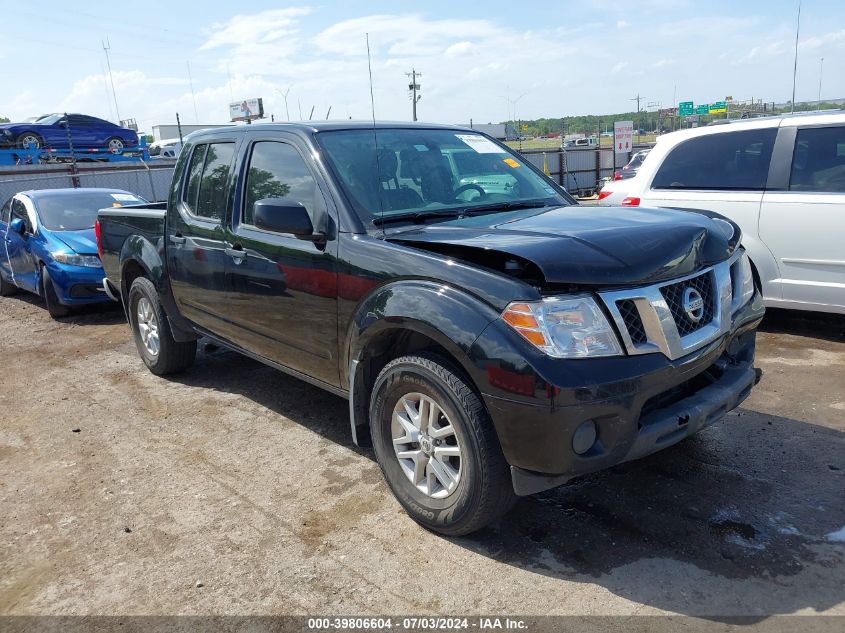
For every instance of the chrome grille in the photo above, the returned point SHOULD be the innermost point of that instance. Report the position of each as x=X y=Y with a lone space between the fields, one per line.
x=633 y=321
x=674 y=295
x=653 y=318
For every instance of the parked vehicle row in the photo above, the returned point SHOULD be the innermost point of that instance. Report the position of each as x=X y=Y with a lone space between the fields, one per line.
x=49 y=246
x=781 y=179
x=58 y=131
x=493 y=338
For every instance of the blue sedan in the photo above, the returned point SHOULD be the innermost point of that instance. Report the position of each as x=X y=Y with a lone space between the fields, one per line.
x=49 y=246
x=53 y=130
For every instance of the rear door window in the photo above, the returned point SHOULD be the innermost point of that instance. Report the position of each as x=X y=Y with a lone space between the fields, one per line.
x=724 y=161
x=207 y=189
x=818 y=162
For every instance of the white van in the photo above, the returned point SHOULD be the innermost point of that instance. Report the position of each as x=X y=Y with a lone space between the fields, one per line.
x=782 y=179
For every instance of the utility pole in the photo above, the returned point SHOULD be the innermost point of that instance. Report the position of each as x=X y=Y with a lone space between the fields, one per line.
x=414 y=87
x=821 y=70
x=637 y=99
x=106 y=48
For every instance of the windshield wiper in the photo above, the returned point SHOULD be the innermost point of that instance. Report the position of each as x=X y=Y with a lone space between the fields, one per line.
x=417 y=216
x=480 y=209
x=504 y=206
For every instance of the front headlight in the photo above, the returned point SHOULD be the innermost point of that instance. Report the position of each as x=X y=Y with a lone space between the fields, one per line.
x=564 y=327
x=743 y=280
x=72 y=259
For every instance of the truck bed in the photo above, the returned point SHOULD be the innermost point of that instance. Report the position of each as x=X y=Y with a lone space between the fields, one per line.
x=118 y=224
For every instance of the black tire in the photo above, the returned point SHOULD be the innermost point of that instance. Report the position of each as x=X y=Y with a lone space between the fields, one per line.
x=51 y=299
x=172 y=356
x=484 y=491
x=7 y=288
x=24 y=137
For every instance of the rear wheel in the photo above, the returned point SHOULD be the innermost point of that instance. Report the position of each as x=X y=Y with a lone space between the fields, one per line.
x=437 y=447
x=115 y=145
x=161 y=353
x=29 y=140
x=51 y=298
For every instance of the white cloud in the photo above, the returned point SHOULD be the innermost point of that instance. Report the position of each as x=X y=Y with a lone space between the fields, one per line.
x=835 y=38
x=459 y=49
x=266 y=27
x=622 y=24
x=618 y=67
x=662 y=63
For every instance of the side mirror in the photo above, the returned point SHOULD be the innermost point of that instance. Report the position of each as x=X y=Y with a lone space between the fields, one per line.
x=18 y=226
x=281 y=215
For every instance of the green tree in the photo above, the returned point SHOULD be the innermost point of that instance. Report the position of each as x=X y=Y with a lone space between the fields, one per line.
x=4 y=119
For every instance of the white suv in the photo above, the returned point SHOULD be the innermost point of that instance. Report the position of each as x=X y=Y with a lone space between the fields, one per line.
x=782 y=179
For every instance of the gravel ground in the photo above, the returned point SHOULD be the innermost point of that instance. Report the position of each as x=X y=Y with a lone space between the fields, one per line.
x=234 y=489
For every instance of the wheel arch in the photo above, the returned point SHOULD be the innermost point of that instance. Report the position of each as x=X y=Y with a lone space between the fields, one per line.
x=139 y=258
x=403 y=318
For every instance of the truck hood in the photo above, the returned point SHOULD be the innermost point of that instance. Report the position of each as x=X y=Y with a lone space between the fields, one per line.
x=592 y=246
x=82 y=242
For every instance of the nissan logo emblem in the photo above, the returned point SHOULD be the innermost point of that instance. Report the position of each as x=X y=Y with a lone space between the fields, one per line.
x=693 y=304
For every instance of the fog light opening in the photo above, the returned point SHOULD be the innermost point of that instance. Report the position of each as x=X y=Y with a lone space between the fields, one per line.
x=584 y=437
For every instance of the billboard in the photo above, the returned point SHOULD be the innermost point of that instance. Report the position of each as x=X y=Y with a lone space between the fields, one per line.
x=623 y=137
x=246 y=110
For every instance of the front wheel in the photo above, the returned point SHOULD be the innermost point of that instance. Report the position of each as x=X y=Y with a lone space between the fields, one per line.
x=437 y=447
x=161 y=353
x=29 y=140
x=51 y=298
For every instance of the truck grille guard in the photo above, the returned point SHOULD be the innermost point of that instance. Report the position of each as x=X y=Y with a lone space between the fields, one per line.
x=679 y=316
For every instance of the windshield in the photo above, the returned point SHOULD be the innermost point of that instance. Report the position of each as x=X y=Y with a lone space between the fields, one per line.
x=49 y=119
x=78 y=211
x=428 y=172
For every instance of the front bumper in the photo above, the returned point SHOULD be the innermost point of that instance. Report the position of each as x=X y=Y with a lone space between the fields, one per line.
x=77 y=285
x=639 y=404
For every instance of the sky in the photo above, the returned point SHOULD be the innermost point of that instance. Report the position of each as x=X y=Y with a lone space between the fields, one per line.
x=488 y=61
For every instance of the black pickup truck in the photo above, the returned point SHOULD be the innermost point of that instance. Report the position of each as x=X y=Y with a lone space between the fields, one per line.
x=493 y=338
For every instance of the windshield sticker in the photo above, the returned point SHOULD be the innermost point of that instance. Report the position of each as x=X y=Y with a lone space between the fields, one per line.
x=480 y=144
x=124 y=197
x=549 y=190
x=421 y=148
x=510 y=162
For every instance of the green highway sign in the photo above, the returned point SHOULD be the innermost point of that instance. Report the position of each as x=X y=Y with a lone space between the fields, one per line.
x=685 y=108
x=703 y=108
x=720 y=107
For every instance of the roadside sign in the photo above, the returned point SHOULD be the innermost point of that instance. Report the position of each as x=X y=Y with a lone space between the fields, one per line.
x=246 y=110
x=685 y=108
x=703 y=108
x=720 y=107
x=623 y=137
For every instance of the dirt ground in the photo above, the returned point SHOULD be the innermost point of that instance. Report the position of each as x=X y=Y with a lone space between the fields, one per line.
x=234 y=489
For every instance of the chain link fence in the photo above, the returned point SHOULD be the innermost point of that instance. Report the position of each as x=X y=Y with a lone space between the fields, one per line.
x=151 y=180
x=578 y=170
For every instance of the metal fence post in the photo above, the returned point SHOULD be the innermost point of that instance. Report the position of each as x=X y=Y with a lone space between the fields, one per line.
x=560 y=172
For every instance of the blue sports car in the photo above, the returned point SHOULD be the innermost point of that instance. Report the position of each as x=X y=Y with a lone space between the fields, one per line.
x=49 y=245
x=52 y=130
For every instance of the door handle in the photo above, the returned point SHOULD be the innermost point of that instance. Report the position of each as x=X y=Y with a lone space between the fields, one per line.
x=177 y=239
x=237 y=253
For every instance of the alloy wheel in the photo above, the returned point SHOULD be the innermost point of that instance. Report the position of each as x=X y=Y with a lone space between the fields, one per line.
x=426 y=445
x=148 y=326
